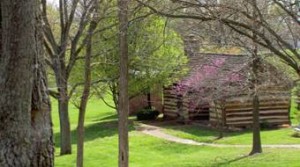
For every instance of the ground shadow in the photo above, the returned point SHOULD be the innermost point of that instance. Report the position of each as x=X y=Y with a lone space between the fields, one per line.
x=228 y=161
x=105 y=128
x=109 y=117
x=209 y=134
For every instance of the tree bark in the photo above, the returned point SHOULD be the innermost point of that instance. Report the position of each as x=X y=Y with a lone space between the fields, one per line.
x=42 y=134
x=256 y=144
x=123 y=100
x=86 y=89
x=63 y=109
x=65 y=131
x=25 y=129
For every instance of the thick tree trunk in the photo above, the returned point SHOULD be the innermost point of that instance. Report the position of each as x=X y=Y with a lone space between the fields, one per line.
x=123 y=100
x=42 y=134
x=25 y=129
x=16 y=82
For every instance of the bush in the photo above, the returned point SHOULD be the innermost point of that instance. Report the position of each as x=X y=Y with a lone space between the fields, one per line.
x=296 y=134
x=266 y=125
x=147 y=114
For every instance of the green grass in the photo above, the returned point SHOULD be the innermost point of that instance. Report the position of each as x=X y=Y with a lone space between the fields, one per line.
x=294 y=113
x=275 y=136
x=194 y=132
x=145 y=151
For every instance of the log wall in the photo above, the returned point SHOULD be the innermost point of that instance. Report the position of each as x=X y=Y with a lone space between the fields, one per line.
x=178 y=107
x=238 y=113
x=170 y=110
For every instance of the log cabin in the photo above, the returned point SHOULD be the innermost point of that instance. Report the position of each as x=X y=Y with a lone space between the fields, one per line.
x=217 y=89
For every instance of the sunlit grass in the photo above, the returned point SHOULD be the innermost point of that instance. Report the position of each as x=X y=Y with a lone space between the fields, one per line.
x=101 y=147
x=194 y=132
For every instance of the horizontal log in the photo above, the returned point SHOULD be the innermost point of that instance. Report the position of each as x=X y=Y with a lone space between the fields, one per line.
x=216 y=111
x=249 y=102
x=175 y=100
x=166 y=108
x=169 y=92
x=198 y=114
x=170 y=96
x=170 y=107
x=193 y=111
x=175 y=109
x=199 y=111
x=261 y=97
x=215 y=120
x=170 y=113
x=170 y=110
x=261 y=108
x=212 y=107
x=261 y=121
x=250 y=122
x=261 y=104
x=265 y=112
x=212 y=114
x=261 y=118
x=175 y=104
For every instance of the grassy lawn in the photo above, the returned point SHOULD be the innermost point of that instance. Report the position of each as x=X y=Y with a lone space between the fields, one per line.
x=275 y=136
x=101 y=146
x=194 y=132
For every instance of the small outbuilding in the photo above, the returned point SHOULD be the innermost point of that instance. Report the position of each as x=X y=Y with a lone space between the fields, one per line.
x=218 y=90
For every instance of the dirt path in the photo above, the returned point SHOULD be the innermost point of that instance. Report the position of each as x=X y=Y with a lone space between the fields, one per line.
x=157 y=132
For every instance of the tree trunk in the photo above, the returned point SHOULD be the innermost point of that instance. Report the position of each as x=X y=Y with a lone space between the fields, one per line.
x=123 y=99
x=115 y=94
x=149 y=100
x=42 y=134
x=86 y=89
x=221 y=118
x=256 y=144
x=63 y=109
x=25 y=129
x=65 y=131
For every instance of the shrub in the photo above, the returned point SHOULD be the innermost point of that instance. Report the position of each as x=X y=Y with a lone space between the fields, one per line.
x=266 y=125
x=147 y=114
x=296 y=134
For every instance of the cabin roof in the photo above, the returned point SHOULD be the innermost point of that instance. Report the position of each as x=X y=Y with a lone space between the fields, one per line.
x=228 y=75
